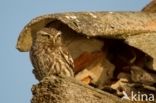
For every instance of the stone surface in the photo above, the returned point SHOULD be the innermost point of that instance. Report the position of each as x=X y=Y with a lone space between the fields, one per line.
x=139 y=75
x=79 y=45
x=145 y=42
x=66 y=90
x=124 y=75
x=99 y=24
x=151 y=7
x=100 y=71
x=118 y=25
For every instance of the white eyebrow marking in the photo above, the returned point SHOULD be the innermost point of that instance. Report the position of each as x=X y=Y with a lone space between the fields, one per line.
x=42 y=32
x=59 y=33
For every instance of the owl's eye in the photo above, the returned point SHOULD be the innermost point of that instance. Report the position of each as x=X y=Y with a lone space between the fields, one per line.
x=59 y=36
x=45 y=35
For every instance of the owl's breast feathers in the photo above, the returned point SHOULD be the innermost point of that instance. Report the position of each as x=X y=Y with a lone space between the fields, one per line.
x=51 y=60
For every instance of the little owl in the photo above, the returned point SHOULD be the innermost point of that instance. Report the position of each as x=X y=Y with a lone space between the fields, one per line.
x=49 y=56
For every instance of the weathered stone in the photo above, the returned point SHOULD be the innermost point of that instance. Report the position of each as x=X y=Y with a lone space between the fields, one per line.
x=78 y=45
x=130 y=89
x=124 y=75
x=145 y=42
x=137 y=28
x=139 y=75
x=105 y=24
x=119 y=84
x=100 y=71
x=151 y=7
x=66 y=90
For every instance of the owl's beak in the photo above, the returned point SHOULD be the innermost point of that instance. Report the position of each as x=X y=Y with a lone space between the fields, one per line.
x=56 y=36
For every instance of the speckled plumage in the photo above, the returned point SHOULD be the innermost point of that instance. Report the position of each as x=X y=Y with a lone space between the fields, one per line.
x=49 y=56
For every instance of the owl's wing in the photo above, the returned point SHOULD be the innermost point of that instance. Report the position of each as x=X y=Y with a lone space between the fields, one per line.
x=67 y=57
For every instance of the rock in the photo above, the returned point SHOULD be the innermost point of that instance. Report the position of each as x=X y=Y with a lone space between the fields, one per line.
x=139 y=75
x=131 y=89
x=119 y=86
x=124 y=75
x=100 y=71
x=98 y=24
x=145 y=42
x=86 y=59
x=79 y=45
x=151 y=7
x=66 y=90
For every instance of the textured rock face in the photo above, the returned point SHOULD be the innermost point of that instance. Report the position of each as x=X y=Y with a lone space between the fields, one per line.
x=66 y=90
x=102 y=24
x=142 y=76
x=145 y=42
x=151 y=7
x=105 y=24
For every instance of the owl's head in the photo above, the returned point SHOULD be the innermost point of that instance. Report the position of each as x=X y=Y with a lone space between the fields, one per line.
x=49 y=35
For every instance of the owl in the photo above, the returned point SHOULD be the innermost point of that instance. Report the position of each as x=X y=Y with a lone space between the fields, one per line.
x=49 y=56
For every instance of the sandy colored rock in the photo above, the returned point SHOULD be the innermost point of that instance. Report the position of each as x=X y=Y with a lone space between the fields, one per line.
x=66 y=90
x=123 y=75
x=136 y=28
x=139 y=75
x=151 y=7
x=117 y=25
x=100 y=70
x=145 y=42
x=78 y=45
